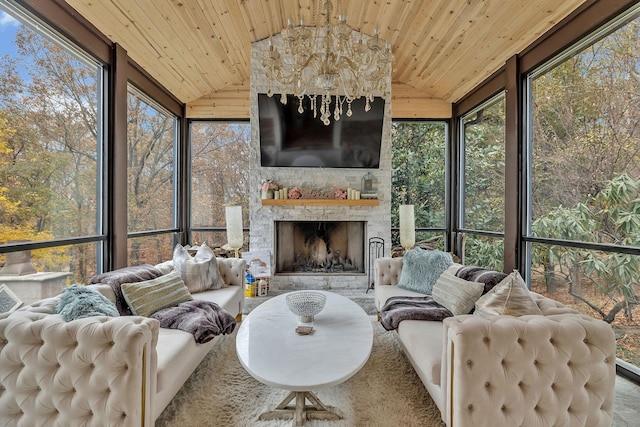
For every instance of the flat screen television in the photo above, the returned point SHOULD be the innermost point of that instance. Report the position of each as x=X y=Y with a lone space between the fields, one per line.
x=289 y=138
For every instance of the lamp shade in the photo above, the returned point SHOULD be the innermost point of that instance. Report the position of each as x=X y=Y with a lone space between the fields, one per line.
x=407 y=226
x=233 y=216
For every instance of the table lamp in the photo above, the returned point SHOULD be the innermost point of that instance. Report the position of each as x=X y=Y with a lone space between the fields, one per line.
x=407 y=227
x=233 y=217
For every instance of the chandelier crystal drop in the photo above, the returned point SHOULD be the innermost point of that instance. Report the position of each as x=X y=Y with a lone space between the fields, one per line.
x=318 y=62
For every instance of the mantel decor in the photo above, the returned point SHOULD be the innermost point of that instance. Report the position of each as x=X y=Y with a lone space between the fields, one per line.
x=326 y=60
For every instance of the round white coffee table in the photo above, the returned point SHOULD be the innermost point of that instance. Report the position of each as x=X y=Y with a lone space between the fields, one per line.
x=273 y=353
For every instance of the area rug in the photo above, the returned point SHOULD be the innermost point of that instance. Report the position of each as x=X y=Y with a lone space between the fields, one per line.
x=385 y=392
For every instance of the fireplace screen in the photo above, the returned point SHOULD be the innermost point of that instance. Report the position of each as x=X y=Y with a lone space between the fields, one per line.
x=320 y=246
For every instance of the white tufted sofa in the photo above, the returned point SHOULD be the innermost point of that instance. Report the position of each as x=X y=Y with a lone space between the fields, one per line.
x=99 y=371
x=555 y=369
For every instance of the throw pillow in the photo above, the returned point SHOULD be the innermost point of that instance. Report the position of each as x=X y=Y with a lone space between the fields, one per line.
x=115 y=278
x=421 y=269
x=200 y=272
x=457 y=295
x=145 y=298
x=472 y=273
x=510 y=297
x=78 y=302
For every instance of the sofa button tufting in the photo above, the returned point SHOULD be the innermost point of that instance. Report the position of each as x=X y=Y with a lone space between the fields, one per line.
x=503 y=408
x=470 y=406
x=485 y=339
x=487 y=384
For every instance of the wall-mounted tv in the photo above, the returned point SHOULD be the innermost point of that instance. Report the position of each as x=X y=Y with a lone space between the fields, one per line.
x=289 y=138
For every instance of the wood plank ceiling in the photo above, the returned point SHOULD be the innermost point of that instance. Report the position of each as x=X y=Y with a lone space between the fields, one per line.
x=200 y=50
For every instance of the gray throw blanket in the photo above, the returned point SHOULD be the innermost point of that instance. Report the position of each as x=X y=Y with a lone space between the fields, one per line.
x=400 y=308
x=132 y=274
x=203 y=319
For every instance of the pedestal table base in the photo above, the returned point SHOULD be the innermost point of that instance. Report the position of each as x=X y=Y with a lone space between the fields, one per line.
x=301 y=411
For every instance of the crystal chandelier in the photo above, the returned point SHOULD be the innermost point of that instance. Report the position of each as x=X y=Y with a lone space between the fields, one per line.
x=320 y=61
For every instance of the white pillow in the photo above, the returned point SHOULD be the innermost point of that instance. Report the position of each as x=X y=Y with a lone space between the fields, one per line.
x=510 y=297
x=456 y=294
x=200 y=272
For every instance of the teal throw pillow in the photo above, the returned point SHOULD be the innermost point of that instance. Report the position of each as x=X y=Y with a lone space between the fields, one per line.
x=421 y=269
x=78 y=302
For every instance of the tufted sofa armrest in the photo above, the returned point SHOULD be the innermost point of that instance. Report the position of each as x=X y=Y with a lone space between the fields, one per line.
x=535 y=370
x=232 y=270
x=387 y=270
x=93 y=372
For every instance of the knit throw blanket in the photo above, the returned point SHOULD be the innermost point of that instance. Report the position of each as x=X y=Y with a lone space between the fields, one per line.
x=400 y=308
x=203 y=319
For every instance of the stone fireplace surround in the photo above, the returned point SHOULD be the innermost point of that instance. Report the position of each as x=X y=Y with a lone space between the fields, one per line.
x=262 y=218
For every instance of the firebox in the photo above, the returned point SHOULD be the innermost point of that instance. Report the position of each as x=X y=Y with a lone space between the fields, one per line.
x=319 y=247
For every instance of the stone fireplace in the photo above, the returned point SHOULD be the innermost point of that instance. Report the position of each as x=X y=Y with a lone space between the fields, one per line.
x=319 y=247
x=267 y=233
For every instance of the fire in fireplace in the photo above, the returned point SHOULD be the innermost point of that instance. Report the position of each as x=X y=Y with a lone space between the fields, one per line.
x=319 y=247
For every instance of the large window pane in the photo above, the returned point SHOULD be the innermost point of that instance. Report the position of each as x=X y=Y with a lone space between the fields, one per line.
x=150 y=249
x=585 y=180
x=483 y=133
x=151 y=195
x=484 y=251
x=219 y=176
x=418 y=155
x=482 y=190
x=50 y=144
x=585 y=115
x=601 y=284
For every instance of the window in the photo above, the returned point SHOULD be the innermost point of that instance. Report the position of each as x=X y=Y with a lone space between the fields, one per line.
x=418 y=151
x=51 y=119
x=482 y=190
x=219 y=177
x=152 y=187
x=584 y=181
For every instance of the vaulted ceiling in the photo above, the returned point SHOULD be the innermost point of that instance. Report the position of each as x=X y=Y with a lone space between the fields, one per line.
x=200 y=50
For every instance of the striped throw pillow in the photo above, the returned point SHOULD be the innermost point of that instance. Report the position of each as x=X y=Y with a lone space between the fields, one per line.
x=145 y=298
x=455 y=294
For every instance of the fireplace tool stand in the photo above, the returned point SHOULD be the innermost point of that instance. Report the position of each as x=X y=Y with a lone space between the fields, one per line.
x=376 y=250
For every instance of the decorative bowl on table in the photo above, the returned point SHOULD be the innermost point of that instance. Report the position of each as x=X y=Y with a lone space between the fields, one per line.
x=306 y=304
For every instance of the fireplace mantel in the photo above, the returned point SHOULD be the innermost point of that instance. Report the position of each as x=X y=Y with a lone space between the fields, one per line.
x=320 y=202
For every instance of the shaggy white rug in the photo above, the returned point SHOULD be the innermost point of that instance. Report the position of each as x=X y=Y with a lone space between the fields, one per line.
x=386 y=392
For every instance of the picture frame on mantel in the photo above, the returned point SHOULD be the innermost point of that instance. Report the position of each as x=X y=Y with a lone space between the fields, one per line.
x=9 y=302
